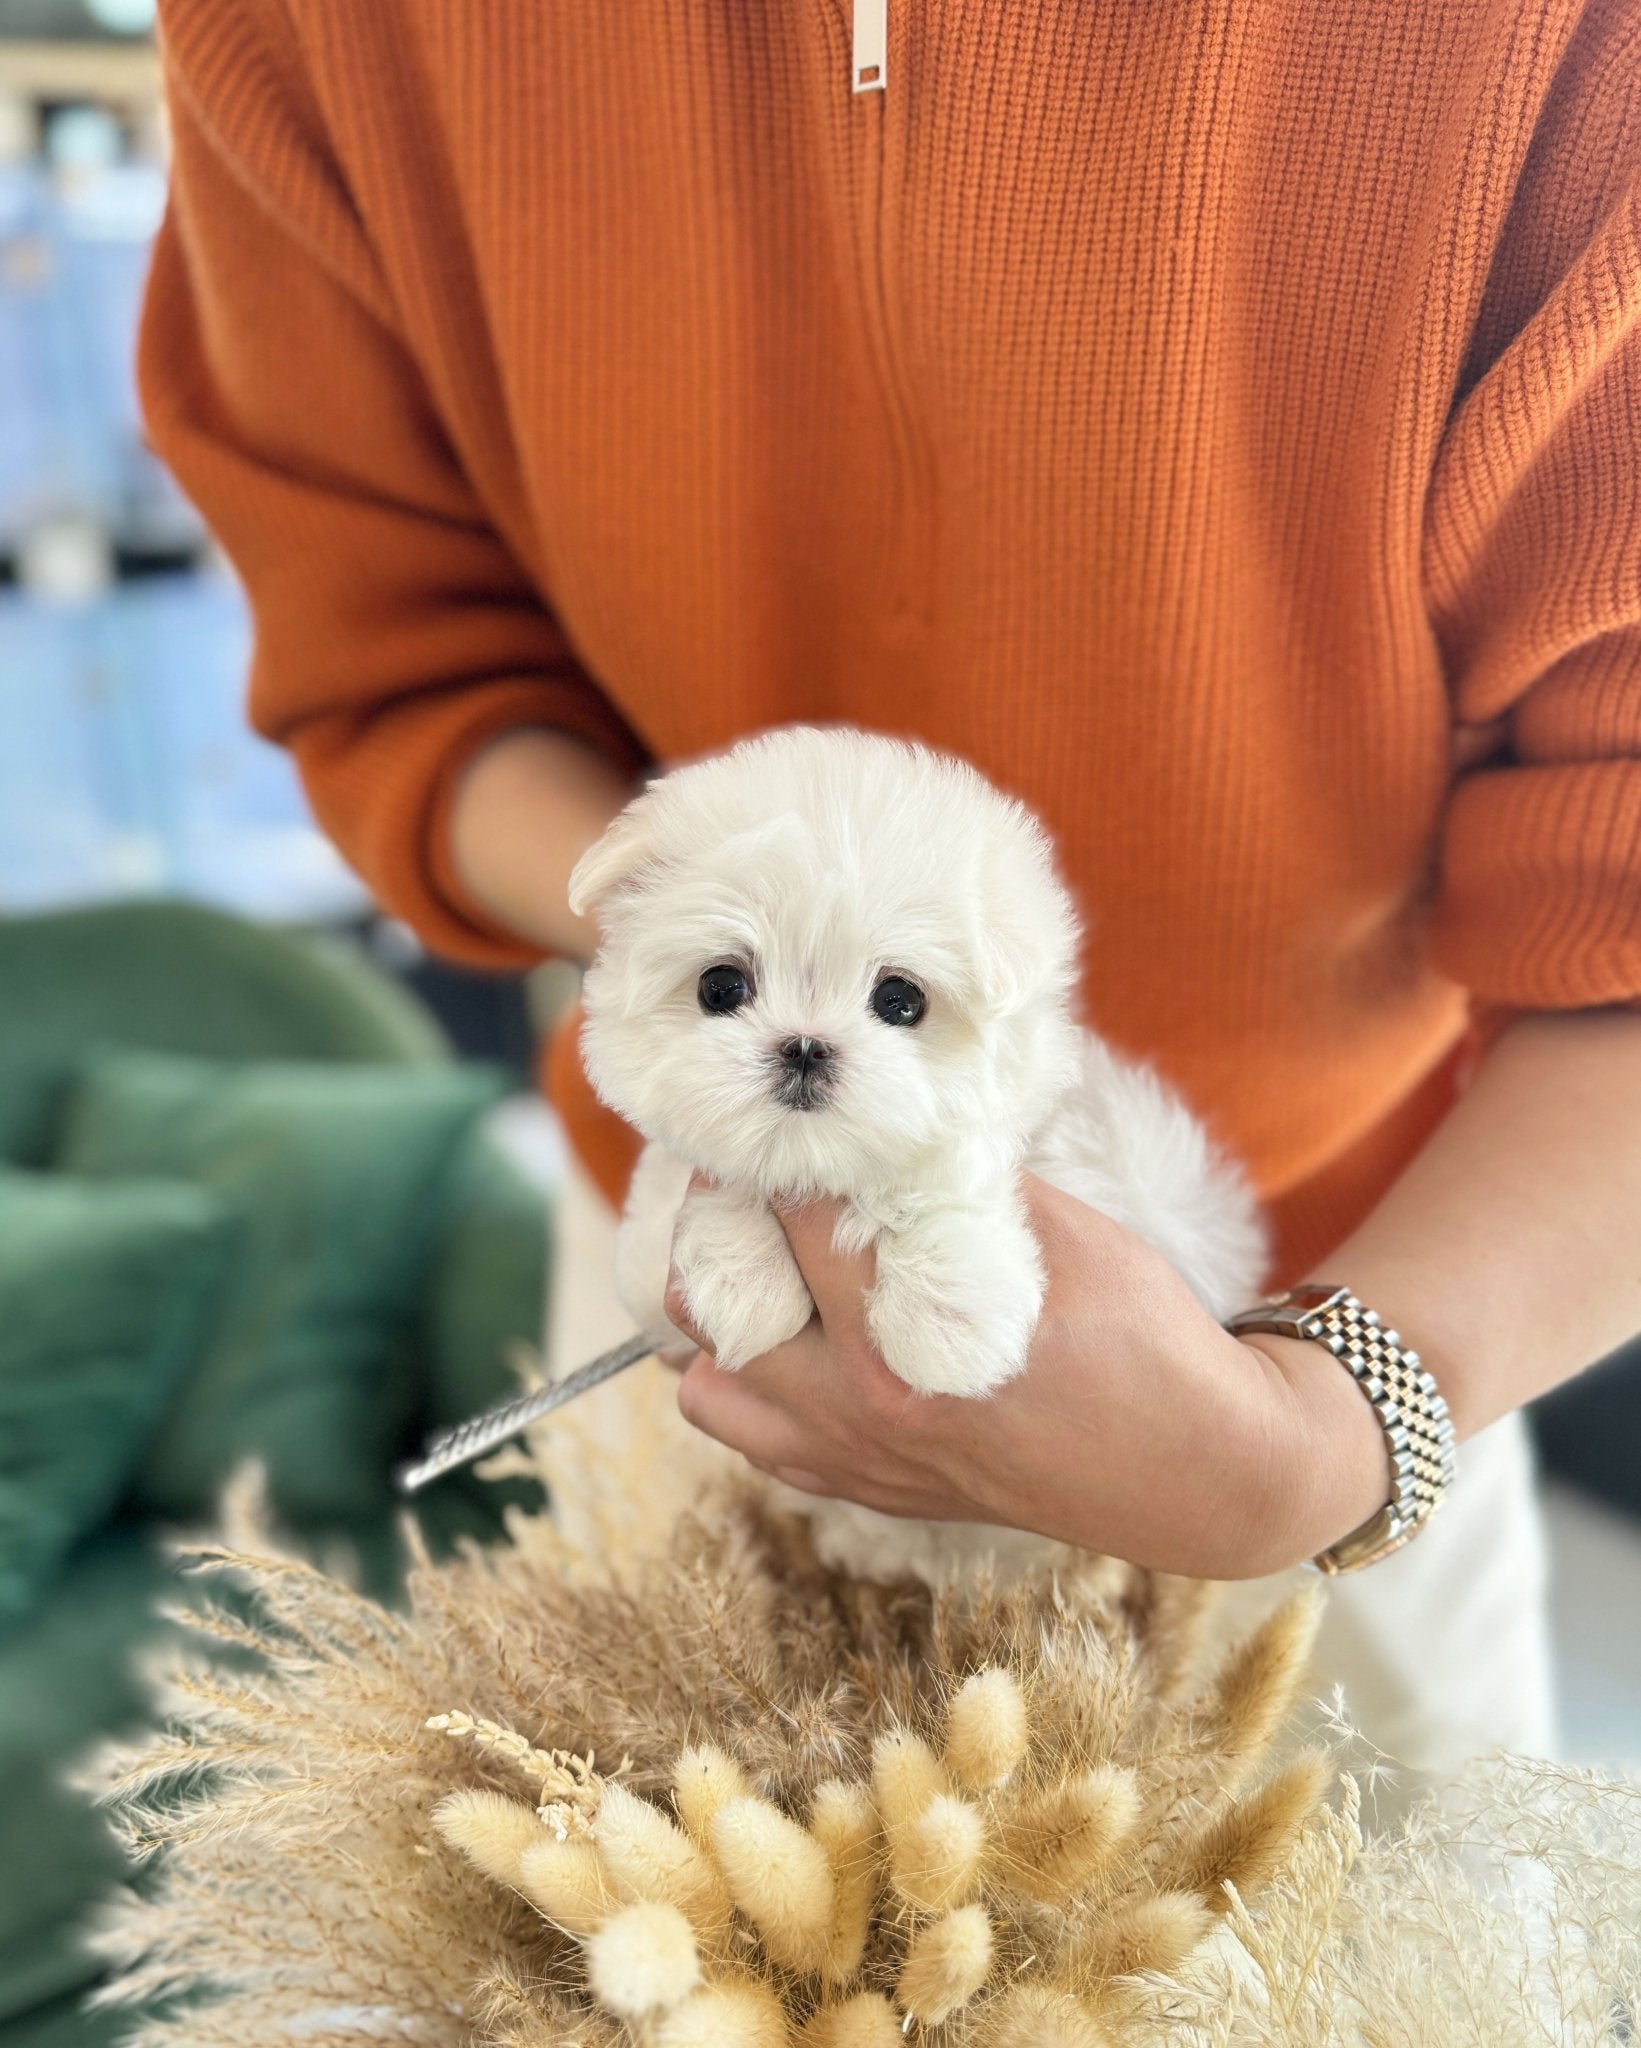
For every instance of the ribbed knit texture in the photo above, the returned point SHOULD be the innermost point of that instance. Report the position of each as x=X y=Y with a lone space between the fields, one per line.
x=1218 y=419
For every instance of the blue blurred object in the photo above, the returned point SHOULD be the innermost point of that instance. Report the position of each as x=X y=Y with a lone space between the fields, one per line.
x=127 y=767
x=126 y=764
x=74 y=246
x=122 y=17
x=76 y=20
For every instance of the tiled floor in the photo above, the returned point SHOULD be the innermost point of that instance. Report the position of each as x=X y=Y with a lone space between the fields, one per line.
x=1596 y=1609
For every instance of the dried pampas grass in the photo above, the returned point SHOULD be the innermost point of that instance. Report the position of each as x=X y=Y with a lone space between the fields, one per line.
x=709 y=1794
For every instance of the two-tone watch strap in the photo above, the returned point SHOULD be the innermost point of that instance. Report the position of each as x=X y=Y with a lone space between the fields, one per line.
x=1405 y=1397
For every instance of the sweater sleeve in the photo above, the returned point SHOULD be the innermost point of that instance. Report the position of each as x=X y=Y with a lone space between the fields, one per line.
x=395 y=631
x=1533 y=563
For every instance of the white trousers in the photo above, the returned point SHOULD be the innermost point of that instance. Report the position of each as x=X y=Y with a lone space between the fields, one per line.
x=1442 y=1651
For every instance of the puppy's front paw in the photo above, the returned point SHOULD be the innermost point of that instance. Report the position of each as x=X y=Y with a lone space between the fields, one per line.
x=741 y=1285
x=956 y=1300
x=643 y=1245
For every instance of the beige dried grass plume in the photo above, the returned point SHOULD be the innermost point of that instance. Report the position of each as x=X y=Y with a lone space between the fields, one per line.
x=716 y=1796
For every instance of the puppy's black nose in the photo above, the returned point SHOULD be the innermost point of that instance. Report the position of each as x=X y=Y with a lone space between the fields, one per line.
x=805 y=1056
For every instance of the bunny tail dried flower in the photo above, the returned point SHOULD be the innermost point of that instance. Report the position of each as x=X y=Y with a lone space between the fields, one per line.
x=597 y=1789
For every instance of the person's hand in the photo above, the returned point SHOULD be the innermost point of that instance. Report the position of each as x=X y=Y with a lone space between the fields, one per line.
x=1139 y=1428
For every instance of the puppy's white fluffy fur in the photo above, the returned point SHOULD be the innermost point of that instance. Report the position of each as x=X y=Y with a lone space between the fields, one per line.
x=818 y=862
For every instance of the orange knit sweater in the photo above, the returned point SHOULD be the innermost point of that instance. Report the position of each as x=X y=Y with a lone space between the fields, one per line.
x=1218 y=419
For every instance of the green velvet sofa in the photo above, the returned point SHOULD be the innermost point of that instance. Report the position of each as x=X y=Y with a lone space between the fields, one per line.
x=177 y=981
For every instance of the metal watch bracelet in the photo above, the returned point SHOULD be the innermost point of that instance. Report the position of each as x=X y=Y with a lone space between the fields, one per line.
x=1418 y=1429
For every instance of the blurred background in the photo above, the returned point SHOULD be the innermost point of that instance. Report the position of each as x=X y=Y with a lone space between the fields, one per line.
x=269 y=1176
x=129 y=786
x=126 y=766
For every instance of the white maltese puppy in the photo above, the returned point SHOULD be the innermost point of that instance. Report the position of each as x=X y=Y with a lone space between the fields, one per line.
x=832 y=963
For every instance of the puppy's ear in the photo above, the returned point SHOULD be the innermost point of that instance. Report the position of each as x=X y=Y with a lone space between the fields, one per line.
x=1008 y=970
x=613 y=858
x=1024 y=935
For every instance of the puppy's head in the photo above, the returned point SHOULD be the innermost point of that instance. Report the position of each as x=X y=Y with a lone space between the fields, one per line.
x=829 y=963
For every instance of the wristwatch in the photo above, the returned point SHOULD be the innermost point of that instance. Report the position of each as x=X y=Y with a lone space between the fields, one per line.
x=1418 y=1429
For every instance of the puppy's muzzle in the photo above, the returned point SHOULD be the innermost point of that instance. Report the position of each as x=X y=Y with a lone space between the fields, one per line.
x=805 y=1071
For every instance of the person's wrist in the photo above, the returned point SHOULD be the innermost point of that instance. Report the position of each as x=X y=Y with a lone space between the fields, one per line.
x=1328 y=1468
x=1240 y=1499
x=526 y=806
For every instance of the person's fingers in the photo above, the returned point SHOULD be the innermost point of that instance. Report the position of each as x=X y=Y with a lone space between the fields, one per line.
x=800 y=1481
x=722 y=1406
x=790 y=1377
x=837 y=1280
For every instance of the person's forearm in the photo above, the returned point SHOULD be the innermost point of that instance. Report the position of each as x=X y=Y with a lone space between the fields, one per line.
x=527 y=807
x=1509 y=1253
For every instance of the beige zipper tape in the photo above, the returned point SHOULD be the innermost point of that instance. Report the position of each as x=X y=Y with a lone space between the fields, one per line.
x=871 y=61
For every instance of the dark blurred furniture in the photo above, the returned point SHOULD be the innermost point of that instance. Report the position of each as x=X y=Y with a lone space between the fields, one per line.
x=1589 y=1431
x=174 y=978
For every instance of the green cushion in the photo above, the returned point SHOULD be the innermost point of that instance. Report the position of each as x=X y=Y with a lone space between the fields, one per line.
x=65 y=2023
x=105 y=1292
x=336 y=1176
x=176 y=977
x=489 y=1285
x=67 y=1678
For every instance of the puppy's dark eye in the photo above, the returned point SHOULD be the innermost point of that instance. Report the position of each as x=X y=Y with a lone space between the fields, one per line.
x=897 y=1000
x=722 y=989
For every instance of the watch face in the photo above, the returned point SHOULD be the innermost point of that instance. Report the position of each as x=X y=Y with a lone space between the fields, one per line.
x=1378 y=1536
x=1284 y=1313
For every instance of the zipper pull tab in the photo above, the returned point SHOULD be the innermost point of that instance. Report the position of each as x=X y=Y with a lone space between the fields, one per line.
x=871 y=46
